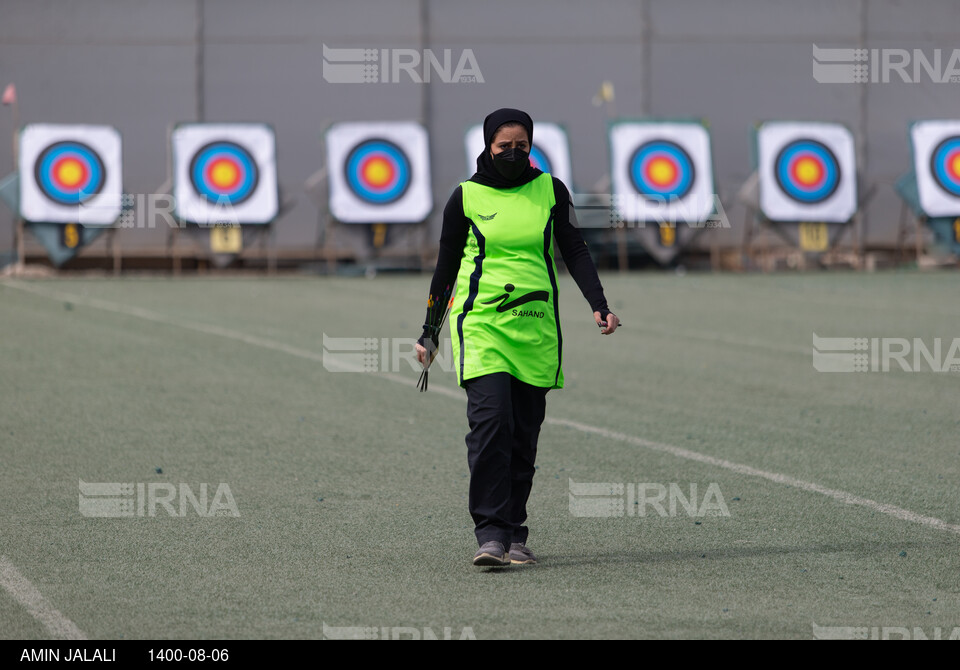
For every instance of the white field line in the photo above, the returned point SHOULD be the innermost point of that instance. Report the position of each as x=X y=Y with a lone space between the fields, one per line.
x=842 y=496
x=25 y=593
x=836 y=494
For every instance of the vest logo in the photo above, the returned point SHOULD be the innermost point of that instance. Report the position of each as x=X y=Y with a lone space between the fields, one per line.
x=488 y=218
x=533 y=296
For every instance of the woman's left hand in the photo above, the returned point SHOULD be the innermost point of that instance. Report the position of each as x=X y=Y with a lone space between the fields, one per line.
x=612 y=322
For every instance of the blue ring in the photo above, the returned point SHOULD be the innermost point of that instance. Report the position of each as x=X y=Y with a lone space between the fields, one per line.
x=394 y=154
x=938 y=165
x=539 y=156
x=230 y=150
x=681 y=158
x=831 y=181
x=96 y=172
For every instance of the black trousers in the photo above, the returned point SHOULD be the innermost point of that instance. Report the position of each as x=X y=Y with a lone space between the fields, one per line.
x=505 y=415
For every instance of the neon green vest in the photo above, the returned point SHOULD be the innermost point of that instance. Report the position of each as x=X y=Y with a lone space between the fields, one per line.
x=505 y=316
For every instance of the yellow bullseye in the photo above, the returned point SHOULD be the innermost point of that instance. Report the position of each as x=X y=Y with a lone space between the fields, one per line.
x=808 y=171
x=70 y=172
x=955 y=165
x=377 y=172
x=224 y=174
x=662 y=171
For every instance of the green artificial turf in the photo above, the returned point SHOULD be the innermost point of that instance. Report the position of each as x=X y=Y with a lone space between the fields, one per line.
x=351 y=487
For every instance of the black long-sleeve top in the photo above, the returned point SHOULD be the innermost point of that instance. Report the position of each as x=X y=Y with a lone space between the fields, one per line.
x=453 y=237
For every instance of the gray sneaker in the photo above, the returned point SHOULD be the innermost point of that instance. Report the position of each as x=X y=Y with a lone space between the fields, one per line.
x=520 y=554
x=492 y=554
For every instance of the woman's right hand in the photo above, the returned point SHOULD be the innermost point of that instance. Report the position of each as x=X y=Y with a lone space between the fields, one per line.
x=422 y=354
x=609 y=325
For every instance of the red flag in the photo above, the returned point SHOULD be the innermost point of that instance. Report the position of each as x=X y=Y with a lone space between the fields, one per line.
x=9 y=95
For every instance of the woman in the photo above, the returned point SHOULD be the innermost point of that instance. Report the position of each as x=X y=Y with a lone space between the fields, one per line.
x=497 y=244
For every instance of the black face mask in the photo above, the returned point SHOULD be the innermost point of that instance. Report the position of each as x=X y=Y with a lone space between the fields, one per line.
x=511 y=163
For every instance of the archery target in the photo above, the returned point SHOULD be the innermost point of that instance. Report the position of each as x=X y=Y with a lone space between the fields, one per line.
x=936 y=158
x=224 y=170
x=70 y=174
x=807 y=172
x=662 y=171
x=661 y=168
x=379 y=172
x=945 y=165
x=539 y=160
x=550 y=151
x=225 y=173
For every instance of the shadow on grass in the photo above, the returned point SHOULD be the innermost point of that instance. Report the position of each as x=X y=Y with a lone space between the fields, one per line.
x=642 y=557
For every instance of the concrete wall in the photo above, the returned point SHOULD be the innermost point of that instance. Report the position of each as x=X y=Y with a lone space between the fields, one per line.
x=142 y=65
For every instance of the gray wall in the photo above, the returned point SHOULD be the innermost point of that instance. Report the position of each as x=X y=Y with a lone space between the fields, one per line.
x=134 y=64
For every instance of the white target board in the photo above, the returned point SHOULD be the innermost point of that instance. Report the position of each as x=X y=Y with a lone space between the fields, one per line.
x=936 y=161
x=225 y=173
x=807 y=171
x=550 y=151
x=379 y=172
x=70 y=174
x=662 y=171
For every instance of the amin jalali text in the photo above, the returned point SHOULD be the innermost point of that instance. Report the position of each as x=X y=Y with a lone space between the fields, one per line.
x=68 y=654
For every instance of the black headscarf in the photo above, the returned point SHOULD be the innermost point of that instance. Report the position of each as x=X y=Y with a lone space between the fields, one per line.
x=487 y=174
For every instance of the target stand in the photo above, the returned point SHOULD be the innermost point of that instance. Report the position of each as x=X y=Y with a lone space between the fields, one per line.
x=225 y=191
x=931 y=190
x=378 y=175
x=662 y=180
x=804 y=190
x=806 y=242
x=68 y=186
x=945 y=229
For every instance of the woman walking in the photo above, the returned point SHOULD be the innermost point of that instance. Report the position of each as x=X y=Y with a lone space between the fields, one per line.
x=497 y=245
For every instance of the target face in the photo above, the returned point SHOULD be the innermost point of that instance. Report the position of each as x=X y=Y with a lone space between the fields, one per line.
x=661 y=168
x=807 y=172
x=550 y=152
x=539 y=160
x=662 y=171
x=945 y=165
x=70 y=174
x=224 y=173
x=936 y=156
x=379 y=172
